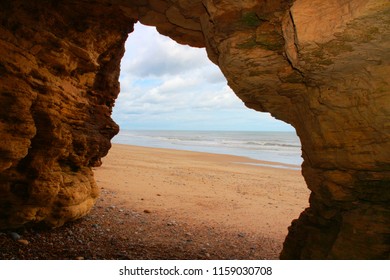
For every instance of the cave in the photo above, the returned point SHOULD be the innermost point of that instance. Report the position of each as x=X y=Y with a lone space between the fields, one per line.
x=321 y=66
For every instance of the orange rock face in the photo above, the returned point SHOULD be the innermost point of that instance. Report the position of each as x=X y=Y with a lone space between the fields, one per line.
x=322 y=66
x=59 y=74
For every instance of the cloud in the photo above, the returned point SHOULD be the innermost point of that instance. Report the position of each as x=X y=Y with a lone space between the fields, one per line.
x=165 y=85
x=154 y=55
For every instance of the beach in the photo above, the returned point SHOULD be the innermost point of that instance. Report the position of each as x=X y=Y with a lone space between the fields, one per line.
x=172 y=204
x=223 y=191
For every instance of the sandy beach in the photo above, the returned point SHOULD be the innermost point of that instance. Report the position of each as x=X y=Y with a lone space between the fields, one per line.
x=170 y=204
x=224 y=191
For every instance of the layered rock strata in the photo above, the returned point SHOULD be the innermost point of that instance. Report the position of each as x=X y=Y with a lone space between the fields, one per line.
x=322 y=66
x=59 y=74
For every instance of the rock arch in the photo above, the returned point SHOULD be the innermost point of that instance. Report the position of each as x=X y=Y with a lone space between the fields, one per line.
x=321 y=66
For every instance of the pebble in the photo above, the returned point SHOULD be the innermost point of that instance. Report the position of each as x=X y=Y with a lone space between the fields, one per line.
x=15 y=236
x=23 y=241
x=112 y=207
x=147 y=211
x=79 y=258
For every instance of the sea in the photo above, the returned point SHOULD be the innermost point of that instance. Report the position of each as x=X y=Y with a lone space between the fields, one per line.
x=275 y=147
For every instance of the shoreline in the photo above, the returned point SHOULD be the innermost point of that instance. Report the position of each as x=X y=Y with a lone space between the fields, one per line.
x=234 y=158
x=283 y=147
x=220 y=189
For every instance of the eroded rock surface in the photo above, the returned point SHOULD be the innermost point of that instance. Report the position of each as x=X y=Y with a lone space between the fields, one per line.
x=59 y=74
x=322 y=66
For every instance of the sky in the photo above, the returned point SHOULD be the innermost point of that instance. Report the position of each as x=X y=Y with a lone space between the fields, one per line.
x=168 y=86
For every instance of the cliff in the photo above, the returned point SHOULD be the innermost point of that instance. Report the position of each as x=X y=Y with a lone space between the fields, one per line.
x=322 y=66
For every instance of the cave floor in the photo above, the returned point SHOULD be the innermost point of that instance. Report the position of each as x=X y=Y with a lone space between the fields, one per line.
x=111 y=232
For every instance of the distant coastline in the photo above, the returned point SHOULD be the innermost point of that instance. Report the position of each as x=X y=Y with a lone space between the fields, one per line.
x=274 y=147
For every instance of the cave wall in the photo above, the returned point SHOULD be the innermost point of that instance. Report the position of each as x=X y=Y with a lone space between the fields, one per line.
x=59 y=73
x=322 y=66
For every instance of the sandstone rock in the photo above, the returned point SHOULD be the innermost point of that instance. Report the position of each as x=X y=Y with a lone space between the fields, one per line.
x=322 y=66
x=23 y=241
x=49 y=82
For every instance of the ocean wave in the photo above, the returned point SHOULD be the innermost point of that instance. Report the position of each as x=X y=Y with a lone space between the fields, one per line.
x=282 y=147
x=201 y=140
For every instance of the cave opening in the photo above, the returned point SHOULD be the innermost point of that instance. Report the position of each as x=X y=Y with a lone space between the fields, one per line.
x=247 y=179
